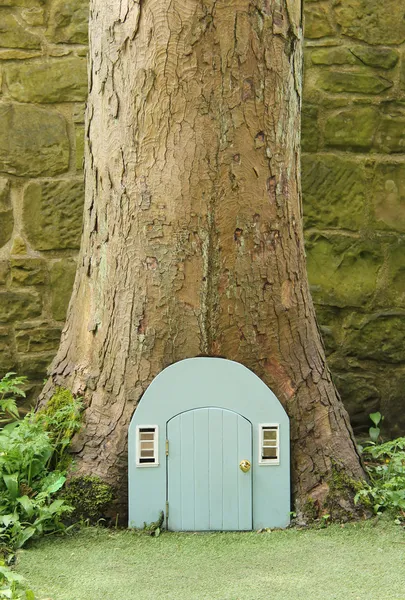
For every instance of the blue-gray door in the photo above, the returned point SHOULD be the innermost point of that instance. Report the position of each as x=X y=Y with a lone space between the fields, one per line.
x=206 y=488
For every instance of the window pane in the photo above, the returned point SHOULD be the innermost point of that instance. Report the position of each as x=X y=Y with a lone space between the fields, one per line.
x=270 y=434
x=270 y=444
x=269 y=453
x=146 y=452
x=146 y=436
x=147 y=444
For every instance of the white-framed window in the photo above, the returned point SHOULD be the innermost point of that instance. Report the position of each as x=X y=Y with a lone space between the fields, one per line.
x=147 y=446
x=269 y=444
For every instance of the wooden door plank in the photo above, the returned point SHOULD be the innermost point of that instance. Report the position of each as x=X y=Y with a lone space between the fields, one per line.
x=245 y=517
x=216 y=470
x=201 y=469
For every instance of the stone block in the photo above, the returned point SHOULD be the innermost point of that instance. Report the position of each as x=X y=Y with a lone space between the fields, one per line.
x=79 y=134
x=393 y=293
x=21 y=3
x=309 y=128
x=388 y=196
x=334 y=192
x=328 y=339
x=17 y=306
x=4 y=271
x=352 y=82
x=19 y=246
x=58 y=51
x=333 y=56
x=330 y=323
x=381 y=58
x=28 y=271
x=5 y=186
x=16 y=54
x=34 y=16
x=49 y=81
x=68 y=22
x=402 y=73
x=32 y=391
x=342 y=271
x=62 y=279
x=390 y=138
x=78 y=113
x=7 y=357
x=14 y=35
x=37 y=339
x=391 y=382
x=352 y=129
x=329 y=102
x=33 y=141
x=6 y=212
x=360 y=397
x=317 y=21
x=311 y=95
x=371 y=21
x=329 y=316
x=35 y=366
x=378 y=337
x=52 y=214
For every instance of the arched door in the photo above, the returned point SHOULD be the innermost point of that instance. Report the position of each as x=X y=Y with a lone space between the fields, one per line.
x=206 y=487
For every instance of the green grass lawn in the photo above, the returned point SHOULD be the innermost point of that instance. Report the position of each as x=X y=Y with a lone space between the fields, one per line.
x=358 y=561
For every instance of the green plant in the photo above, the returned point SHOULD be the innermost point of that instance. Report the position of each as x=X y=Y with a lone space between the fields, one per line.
x=32 y=462
x=61 y=419
x=26 y=484
x=324 y=521
x=374 y=432
x=385 y=466
x=90 y=497
x=155 y=527
x=10 y=585
x=10 y=386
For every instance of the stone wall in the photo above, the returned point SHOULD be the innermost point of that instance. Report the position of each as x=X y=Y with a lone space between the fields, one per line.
x=353 y=176
x=43 y=83
x=353 y=182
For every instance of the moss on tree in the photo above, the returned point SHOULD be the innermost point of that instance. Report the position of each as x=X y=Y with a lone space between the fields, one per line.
x=90 y=497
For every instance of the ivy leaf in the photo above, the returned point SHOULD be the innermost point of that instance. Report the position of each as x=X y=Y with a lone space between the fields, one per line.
x=374 y=432
x=376 y=418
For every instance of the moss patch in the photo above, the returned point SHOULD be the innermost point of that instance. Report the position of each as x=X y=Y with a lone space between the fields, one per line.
x=342 y=271
x=334 y=192
x=90 y=496
x=339 y=502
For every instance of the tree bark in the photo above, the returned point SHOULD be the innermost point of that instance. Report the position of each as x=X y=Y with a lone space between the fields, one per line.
x=193 y=242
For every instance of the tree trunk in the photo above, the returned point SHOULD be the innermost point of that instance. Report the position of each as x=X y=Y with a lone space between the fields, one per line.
x=193 y=241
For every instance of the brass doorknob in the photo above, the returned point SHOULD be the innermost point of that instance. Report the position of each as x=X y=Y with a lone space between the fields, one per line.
x=244 y=465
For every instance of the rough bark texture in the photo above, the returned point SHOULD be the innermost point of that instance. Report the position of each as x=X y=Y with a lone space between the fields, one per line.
x=193 y=239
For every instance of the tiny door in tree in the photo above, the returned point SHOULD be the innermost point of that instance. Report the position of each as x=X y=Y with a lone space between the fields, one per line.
x=209 y=479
